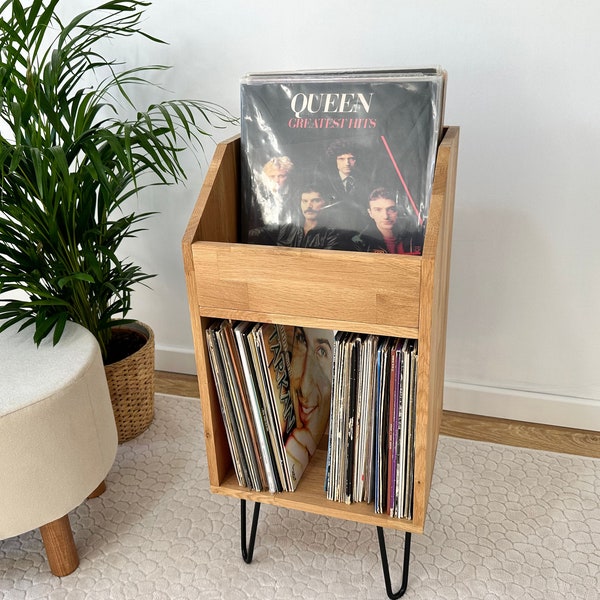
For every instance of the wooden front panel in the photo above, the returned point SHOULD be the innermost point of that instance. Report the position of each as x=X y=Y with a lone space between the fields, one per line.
x=377 y=292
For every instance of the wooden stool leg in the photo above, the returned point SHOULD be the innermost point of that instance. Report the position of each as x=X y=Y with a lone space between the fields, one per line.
x=99 y=490
x=60 y=546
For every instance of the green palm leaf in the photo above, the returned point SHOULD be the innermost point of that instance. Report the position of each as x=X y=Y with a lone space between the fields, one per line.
x=68 y=162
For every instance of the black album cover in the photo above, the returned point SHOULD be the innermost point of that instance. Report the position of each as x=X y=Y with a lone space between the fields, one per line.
x=339 y=160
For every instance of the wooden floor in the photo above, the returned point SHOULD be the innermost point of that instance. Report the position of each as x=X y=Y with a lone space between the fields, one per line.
x=487 y=429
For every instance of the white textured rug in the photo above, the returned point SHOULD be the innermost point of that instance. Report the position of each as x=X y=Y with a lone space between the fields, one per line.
x=503 y=523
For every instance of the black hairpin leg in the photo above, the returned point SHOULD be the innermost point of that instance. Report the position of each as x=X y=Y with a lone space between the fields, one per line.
x=386 y=566
x=248 y=551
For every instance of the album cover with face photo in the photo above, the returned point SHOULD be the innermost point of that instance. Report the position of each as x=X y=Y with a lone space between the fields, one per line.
x=339 y=160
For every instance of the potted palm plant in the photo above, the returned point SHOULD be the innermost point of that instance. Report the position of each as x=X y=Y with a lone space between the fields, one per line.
x=70 y=161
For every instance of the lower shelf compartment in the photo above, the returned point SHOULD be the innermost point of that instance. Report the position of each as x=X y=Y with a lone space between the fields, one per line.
x=310 y=497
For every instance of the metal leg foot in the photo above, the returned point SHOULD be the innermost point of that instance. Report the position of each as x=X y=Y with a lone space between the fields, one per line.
x=386 y=567
x=248 y=550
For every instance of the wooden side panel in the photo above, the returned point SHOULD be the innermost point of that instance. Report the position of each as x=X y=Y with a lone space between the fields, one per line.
x=214 y=217
x=432 y=326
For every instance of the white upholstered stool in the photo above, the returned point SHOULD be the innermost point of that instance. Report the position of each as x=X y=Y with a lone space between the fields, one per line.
x=58 y=438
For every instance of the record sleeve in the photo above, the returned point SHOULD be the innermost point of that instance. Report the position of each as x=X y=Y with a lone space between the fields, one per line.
x=298 y=363
x=237 y=391
x=256 y=405
x=410 y=445
x=363 y=467
x=334 y=457
x=339 y=160
x=311 y=365
x=269 y=394
x=395 y=420
x=382 y=424
x=338 y=422
x=227 y=411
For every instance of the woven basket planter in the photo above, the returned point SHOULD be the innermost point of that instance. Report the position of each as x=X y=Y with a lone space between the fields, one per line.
x=131 y=386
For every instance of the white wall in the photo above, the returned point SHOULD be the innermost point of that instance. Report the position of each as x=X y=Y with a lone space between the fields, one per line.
x=524 y=318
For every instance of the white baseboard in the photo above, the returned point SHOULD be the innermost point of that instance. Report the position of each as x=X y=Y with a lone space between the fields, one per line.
x=517 y=405
x=175 y=360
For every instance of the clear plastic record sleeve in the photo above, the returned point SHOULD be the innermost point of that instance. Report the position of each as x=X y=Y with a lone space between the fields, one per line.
x=299 y=128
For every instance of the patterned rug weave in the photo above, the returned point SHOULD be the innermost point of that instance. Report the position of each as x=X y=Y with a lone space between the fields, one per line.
x=503 y=523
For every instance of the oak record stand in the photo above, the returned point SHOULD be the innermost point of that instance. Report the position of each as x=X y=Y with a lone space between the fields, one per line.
x=394 y=295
